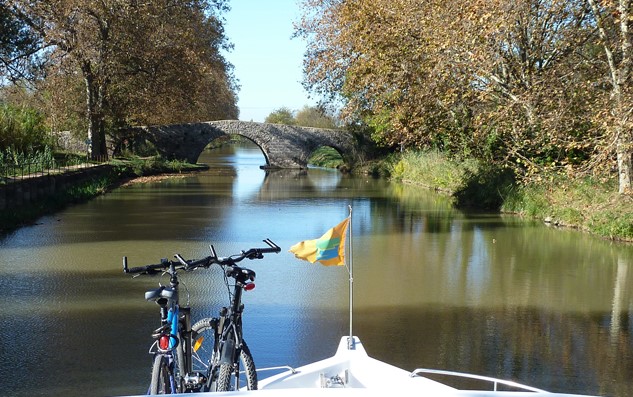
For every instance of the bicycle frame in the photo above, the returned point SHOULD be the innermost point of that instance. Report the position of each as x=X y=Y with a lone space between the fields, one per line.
x=173 y=339
x=229 y=336
x=176 y=320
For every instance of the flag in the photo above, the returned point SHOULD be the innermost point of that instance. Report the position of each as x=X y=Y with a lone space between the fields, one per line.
x=329 y=249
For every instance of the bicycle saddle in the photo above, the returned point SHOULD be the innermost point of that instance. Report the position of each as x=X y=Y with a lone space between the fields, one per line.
x=162 y=292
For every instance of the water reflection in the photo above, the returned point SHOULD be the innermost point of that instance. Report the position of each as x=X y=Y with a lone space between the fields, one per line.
x=434 y=287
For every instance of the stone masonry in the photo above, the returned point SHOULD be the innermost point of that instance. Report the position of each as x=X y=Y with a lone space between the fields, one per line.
x=283 y=146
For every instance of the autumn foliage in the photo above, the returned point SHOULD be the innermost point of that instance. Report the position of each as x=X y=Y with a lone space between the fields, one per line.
x=534 y=85
x=110 y=63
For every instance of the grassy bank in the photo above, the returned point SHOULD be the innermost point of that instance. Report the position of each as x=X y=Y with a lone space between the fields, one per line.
x=327 y=157
x=585 y=204
x=123 y=170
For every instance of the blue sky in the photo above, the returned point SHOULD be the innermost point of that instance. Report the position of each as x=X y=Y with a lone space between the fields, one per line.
x=268 y=63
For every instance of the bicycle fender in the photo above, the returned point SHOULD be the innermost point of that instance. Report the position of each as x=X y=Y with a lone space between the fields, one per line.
x=227 y=352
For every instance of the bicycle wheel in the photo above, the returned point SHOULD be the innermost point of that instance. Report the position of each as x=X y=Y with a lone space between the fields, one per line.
x=162 y=376
x=203 y=341
x=248 y=374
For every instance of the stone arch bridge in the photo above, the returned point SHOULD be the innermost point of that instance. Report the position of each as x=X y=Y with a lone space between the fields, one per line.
x=283 y=146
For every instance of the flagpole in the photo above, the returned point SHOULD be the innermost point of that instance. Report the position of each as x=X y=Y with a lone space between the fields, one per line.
x=350 y=342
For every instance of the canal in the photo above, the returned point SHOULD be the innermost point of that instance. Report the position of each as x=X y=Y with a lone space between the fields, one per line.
x=433 y=287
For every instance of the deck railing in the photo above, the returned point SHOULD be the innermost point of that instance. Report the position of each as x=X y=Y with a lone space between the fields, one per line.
x=495 y=382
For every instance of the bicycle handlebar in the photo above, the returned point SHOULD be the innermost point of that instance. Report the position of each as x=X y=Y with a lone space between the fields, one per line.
x=181 y=263
x=252 y=253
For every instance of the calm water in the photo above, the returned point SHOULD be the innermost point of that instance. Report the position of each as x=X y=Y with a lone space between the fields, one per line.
x=433 y=287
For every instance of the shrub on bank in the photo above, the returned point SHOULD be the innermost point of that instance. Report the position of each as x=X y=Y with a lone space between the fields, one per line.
x=22 y=129
x=485 y=189
x=471 y=184
x=19 y=162
x=584 y=203
x=143 y=166
x=432 y=169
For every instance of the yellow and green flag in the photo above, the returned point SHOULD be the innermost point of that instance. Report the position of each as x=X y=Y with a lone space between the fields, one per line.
x=329 y=250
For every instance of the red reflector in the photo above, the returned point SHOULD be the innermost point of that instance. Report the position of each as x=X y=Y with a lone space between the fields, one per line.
x=249 y=286
x=163 y=342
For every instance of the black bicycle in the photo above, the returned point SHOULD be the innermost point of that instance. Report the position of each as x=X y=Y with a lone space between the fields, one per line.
x=210 y=355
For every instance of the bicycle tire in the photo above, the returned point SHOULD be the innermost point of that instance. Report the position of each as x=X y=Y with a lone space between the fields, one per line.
x=226 y=378
x=162 y=376
x=203 y=333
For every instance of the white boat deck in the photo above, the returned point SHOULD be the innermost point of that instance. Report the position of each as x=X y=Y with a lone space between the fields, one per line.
x=351 y=368
x=351 y=372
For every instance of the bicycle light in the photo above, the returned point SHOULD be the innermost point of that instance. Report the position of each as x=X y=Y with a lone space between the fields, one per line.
x=249 y=286
x=163 y=342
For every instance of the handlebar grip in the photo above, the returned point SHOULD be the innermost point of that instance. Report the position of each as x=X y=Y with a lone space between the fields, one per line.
x=268 y=250
x=139 y=269
x=204 y=262
x=143 y=269
x=256 y=253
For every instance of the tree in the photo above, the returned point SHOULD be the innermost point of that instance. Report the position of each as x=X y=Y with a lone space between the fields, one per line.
x=527 y=62
x=174 y=73
x=18 y=47
x=99 y=41
x=496 y=79
x=375 y=57
x=82 y=37
x=283 y=115
x=311 y=116
x=613 y=21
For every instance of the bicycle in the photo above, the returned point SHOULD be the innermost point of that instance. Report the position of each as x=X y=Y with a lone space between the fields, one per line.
x=208 y=355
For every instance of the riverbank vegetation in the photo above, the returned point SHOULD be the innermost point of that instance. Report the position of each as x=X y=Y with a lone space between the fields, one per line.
x=535 y=86
x=588 y=204
x=13 y=218
x=525 y=105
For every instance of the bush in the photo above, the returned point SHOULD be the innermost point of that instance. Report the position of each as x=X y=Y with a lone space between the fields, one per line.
x=22 y=129
x=432 y=169
x=486 y=188
x=14 y=163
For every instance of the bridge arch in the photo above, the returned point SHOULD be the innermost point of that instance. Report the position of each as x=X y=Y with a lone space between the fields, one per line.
x=283 y=146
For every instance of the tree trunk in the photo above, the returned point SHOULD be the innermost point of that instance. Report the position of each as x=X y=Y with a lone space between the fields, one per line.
x=94 y=115
x=619 y=59
x=624 y=154
x=624 y=143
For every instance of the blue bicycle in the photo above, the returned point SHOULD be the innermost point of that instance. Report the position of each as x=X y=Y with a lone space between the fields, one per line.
x=210 y=355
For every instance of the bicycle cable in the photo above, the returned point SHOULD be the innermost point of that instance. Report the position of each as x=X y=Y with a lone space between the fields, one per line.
x=228 y=287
